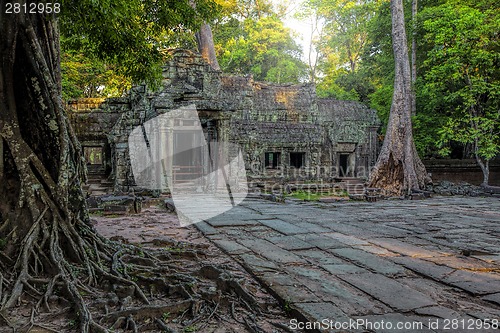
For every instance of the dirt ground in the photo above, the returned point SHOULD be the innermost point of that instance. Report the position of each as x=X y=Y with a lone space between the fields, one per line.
x=205 y=290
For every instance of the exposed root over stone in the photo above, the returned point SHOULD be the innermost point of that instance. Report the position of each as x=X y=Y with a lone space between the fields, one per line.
x=120 y=287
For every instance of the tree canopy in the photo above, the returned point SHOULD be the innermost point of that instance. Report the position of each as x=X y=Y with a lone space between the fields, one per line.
x=261 y=46
x=129 y=37
x=461 y=76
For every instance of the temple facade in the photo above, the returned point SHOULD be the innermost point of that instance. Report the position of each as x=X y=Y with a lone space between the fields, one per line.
x=285 y=132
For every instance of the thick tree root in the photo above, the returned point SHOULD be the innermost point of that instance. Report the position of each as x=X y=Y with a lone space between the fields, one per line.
x=141 y=290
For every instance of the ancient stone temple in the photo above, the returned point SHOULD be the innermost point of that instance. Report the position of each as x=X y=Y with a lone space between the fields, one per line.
x=286 y=132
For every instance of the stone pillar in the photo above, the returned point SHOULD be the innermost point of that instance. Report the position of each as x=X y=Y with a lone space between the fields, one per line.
x=352 y=164
x=169 y=147
x=210 y=160
x=225 y=153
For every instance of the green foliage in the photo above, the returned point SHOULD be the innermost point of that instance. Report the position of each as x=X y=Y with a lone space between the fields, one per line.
x=426 y=133
x=315 y=196
x=86 y=77
x=128 y=35
x=287 y=306
x=345 y=37
x=381 y=100
x=305 y=195
x=261 y=46
x=378 y=63
x=461 y=80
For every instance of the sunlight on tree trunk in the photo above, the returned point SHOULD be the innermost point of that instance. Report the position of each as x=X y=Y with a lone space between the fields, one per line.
x=399 y=169
x=206 y=46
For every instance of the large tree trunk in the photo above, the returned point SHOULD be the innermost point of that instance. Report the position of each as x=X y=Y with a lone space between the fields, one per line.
x=42 y=213
x=414 y=10
x=47 y=241
x=399 y=169
x=206 y=45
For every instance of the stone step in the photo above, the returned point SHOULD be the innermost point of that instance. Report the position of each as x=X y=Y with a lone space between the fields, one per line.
x=95 y=180
x=355 y=188
x=116 y=210
x=360 y=197
x=350 y=180
x=99 y=193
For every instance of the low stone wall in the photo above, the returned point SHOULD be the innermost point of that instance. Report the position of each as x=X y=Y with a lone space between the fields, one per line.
x=457 y=171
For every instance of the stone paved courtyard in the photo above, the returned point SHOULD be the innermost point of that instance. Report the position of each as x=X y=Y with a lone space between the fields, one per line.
x=434 y=262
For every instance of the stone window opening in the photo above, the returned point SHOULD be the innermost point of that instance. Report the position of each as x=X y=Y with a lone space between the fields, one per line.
x=297 y=160
x=272 y=160
x=346 y=165
x=93 y=155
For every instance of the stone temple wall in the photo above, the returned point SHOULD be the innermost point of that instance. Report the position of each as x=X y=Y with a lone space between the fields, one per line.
x=285 y=122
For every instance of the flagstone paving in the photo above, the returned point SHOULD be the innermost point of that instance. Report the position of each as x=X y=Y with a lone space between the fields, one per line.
x=373 y=266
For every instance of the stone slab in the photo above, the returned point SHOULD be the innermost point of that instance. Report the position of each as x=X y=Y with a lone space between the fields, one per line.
x=344 y=269
x=476 y=283
x=270 y=251
x=423 y=267
x=347 y=239
x=294 y=294
x=284 y=227
x=405 y=248
x=312 y=227
x=493 y=298
x=230 y=246
x=370 y=261
x=230 y=222
x=256 y=264
x=290 y=243
x=329 y=289
x=320 y=257
x=321 y=241
x=389 y=291
x=462 y=263
x=439 y=312
x=206 y=228
x=315 y=313
x=377 y=250
x=278 y=278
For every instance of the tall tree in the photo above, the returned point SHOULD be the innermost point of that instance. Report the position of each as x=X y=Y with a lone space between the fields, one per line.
x=206 y=47
x=461 y=38
x=399 y=169
x=47 y=241
x=414 y=11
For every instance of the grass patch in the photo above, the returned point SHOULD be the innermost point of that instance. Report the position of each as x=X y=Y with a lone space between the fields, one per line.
x=308 y=196
x=305 y=195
